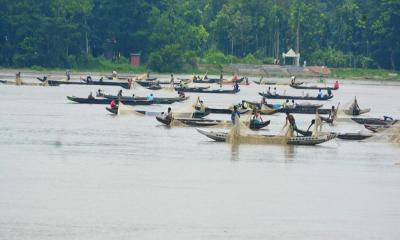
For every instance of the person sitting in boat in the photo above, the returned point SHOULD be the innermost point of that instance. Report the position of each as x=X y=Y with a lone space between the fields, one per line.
x=194 y=78
x=293 y=81
x=246 y=81
x=90 y=96
x=169 y=114
x=234 y=77
x=236 y=86
x=320 y=94
x=68 y=74
x=221 y=79
x=292 y=123
x=114 y=74
x=286 y=104
x=329 y=91
x=119 y=93
x=89 y=79
x=99 y=93
x=113 y=104
x=256 y=119
x=269 y=91
x=336 y=85
x=387 y=118
x=148 y=75
x=275 y=91
x=181 y=94
x=235 y=113
x=205 y=77
x=201 y=107
x=293 y=104
x=150 y=98
x=263 y=100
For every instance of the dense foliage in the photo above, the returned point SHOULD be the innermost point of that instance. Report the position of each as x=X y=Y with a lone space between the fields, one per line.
x=171 y=33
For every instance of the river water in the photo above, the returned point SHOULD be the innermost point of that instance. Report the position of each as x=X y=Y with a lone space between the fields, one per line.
x=72 y=171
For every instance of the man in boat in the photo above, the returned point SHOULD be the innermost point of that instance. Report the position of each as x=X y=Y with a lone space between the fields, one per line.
x=329 y=91
x=256 y=119
x=221 y=79
x=172 y=80
x=181 y=94
x=169 y=114
x=292 y=123
x=332 y=114
x=320 y=94
x=275 y=91
x=18 y=80
x=336 y=86
x=150 y=98
x=293 y=104
x=88 y=78
x=293 y=81
x=235 y=113
x=68 y=74
x=263 y=101
x=247 y=81
x=114 y=74
x=91 y=96
x=236 y=86
x=356 y=109
x=201 y=107
x=119 y=95
x=234 y=77
x=269 y=90
x=286 y=104
x=113 y=104
x=99 y=93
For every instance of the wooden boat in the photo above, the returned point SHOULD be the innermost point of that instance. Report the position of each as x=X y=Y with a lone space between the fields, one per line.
x=224 y=110
x=344 y=136
x=208 y=80
x=8 y=82
x=202 y=122
x=202 y=90
x=272 y=96
x=156 y=99
x=298 y=108
x=100 y=82
x=196 y=114
x=264 y=82
x=222 y=137
x=107 y=101
x=374 y=121
x=312 y=87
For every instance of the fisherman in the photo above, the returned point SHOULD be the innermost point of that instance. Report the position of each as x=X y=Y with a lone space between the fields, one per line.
x=236 y=86
x=235 y=113
x=119 y=93
x=293 y=104
x=356 y=109
x=201 y=107
x=18 y=80
x=90 y=97
x=148 y=75
x=99 y=93
x=292 y=123
x=88 y=78
x=275 y=91
x=263 y=100
x=269 y=90
x=205 y=76
x=247 y=81
x=114 y=74
x=234 y=77
x=320 y=94
x=286 y=104
x=150 y=98
x=68 y=74
x=221 y=79
x=293 y=81
x=332 y=114
x=113 y=104
x=329 y=91
x=169 y=114
x=172 y=80
x=181 y=94
x=336 y=85
x=256 y=119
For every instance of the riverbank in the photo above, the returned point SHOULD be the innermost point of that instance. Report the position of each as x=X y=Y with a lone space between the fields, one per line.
x=249 y=70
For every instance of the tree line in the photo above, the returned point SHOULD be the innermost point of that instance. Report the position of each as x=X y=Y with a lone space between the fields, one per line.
x=173 y=33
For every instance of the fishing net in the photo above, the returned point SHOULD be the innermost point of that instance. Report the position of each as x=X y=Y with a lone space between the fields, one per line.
x=317 y=126
x=240 y=133
x=390 y=134
x=125 y=110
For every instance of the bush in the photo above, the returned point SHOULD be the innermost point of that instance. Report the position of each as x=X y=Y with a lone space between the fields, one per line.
x=38 y=68
x=250 y=59
x=217 y=57
x=168 y=59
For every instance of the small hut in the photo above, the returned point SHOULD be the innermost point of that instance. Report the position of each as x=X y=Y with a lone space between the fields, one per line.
x=293 y=55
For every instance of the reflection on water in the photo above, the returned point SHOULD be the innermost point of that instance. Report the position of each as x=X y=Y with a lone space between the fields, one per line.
x=235 y=151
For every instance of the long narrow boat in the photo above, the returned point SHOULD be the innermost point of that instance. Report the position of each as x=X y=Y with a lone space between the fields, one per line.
x=146 y=83
x=223 y=136
x=376 y=128
x=107 y=101
x=158 y=100
x=298 y=108
x=208 y=80
x=224 y=110
x=196 y=114
x=344 y=136
x=9 y=82
x=312 y=87
x=272 y=96
x=202 y=122
x=199 y=90
x=374 y=121
x=126 y=85
x=362 y=111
